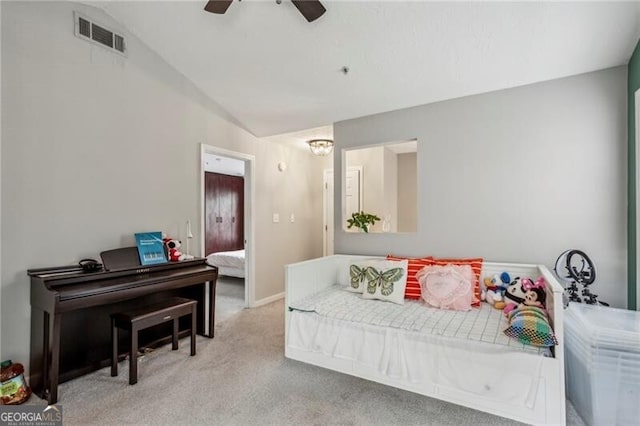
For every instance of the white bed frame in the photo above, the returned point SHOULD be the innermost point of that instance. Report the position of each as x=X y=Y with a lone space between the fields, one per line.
x=306 y=278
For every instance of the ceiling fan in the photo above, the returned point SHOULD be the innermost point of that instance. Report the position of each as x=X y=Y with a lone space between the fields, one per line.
x=310 y=9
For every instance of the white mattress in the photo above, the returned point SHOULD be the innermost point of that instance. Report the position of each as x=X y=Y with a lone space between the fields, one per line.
x=233 y=259
x=402 y=342
x=484 y=324
x=228 y=262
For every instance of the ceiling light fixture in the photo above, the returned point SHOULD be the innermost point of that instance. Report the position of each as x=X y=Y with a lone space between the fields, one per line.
x=321 y=146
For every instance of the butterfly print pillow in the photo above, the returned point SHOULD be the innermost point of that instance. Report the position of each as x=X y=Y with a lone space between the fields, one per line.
x=384 y=280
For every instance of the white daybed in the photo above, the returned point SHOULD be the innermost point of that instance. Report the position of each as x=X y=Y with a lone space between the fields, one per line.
x=230 y=263
x=507 y=380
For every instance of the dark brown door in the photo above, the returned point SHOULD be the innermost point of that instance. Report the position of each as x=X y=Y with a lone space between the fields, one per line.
x=224 y=212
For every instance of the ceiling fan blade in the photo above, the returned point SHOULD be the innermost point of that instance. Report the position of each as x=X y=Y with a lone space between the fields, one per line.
x=218 y=6
x=310 y=9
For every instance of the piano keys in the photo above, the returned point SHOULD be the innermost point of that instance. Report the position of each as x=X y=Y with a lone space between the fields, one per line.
x=70 y=313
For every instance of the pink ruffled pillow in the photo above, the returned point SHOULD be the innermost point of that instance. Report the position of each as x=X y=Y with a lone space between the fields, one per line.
x=448 y=286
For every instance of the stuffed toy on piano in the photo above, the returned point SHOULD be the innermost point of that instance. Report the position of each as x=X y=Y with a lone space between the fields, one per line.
x=173 y=253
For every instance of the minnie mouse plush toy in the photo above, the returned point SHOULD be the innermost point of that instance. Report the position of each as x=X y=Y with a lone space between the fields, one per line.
x=534 y=294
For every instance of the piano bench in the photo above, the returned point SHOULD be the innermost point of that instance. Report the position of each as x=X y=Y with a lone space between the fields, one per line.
x=141 y=318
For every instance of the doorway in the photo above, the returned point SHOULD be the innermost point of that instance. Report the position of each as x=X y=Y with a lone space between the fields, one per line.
x=327 y=204
x=353 y=203
x=224 y=208
x=235 y=288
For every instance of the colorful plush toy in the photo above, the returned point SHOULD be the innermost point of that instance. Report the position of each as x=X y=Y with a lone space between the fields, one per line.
x=494 y=288
x=534 y=294
x=175 y=255
x=513 y=295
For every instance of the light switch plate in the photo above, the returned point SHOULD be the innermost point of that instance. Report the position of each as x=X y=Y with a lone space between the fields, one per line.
x=276 y=218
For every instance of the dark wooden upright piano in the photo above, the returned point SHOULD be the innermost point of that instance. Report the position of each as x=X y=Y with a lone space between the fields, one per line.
x=71 y=308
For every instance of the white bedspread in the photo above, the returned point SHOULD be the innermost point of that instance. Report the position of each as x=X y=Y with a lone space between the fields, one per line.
x=232 y=259
x=483 y=324
x=420 y=344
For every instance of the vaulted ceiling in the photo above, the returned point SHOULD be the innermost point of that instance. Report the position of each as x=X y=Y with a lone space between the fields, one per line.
x=276 y=73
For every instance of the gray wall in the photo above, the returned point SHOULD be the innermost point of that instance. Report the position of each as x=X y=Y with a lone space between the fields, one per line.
x=96 y=147
x=407 y=192
x=514 y=175
x=390 y=184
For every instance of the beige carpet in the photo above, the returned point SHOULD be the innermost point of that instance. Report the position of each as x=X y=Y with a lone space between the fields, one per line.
x=229 y=297
x=242 y=378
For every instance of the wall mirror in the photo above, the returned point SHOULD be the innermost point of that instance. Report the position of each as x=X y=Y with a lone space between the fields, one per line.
x=382 y=180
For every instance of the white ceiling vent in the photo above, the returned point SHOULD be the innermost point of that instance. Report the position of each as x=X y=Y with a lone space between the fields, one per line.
x=88 y=30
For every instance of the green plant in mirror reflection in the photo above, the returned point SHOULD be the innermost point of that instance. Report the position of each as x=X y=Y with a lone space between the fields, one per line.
x=362 y=220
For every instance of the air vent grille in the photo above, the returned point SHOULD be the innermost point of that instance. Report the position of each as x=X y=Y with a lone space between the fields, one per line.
x=84 y=27
x=101 y=35
x=90 y=31
x=118 y=43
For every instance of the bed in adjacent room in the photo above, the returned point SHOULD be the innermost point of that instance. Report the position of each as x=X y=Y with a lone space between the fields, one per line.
x=229 y=263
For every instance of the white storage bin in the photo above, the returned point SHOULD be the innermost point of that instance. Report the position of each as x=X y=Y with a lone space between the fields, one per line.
x=602 y=364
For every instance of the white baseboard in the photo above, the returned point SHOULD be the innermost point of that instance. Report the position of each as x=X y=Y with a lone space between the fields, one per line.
x=268 y=300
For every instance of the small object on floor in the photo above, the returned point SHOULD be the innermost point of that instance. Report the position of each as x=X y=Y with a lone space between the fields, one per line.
x=169 y=310
x=13 y=387
x=141 y=353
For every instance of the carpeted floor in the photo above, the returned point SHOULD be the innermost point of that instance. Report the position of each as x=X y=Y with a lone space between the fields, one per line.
x=229 y=297
x=242 y=378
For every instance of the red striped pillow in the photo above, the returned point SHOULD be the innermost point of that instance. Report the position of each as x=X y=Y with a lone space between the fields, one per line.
x=412 y=290
x=476 y=266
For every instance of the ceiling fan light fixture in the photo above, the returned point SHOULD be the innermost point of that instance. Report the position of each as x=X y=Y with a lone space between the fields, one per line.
x=310 y=9
x=218 y=6
x=320 y=146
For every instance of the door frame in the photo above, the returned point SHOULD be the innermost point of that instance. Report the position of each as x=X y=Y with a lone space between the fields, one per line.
x=343 y=218
x=327 y=247
x=249 y=217
x=360 y=170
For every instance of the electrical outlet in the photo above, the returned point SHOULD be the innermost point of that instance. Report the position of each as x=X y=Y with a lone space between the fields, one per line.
x=276 y=218
x=292 y=218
